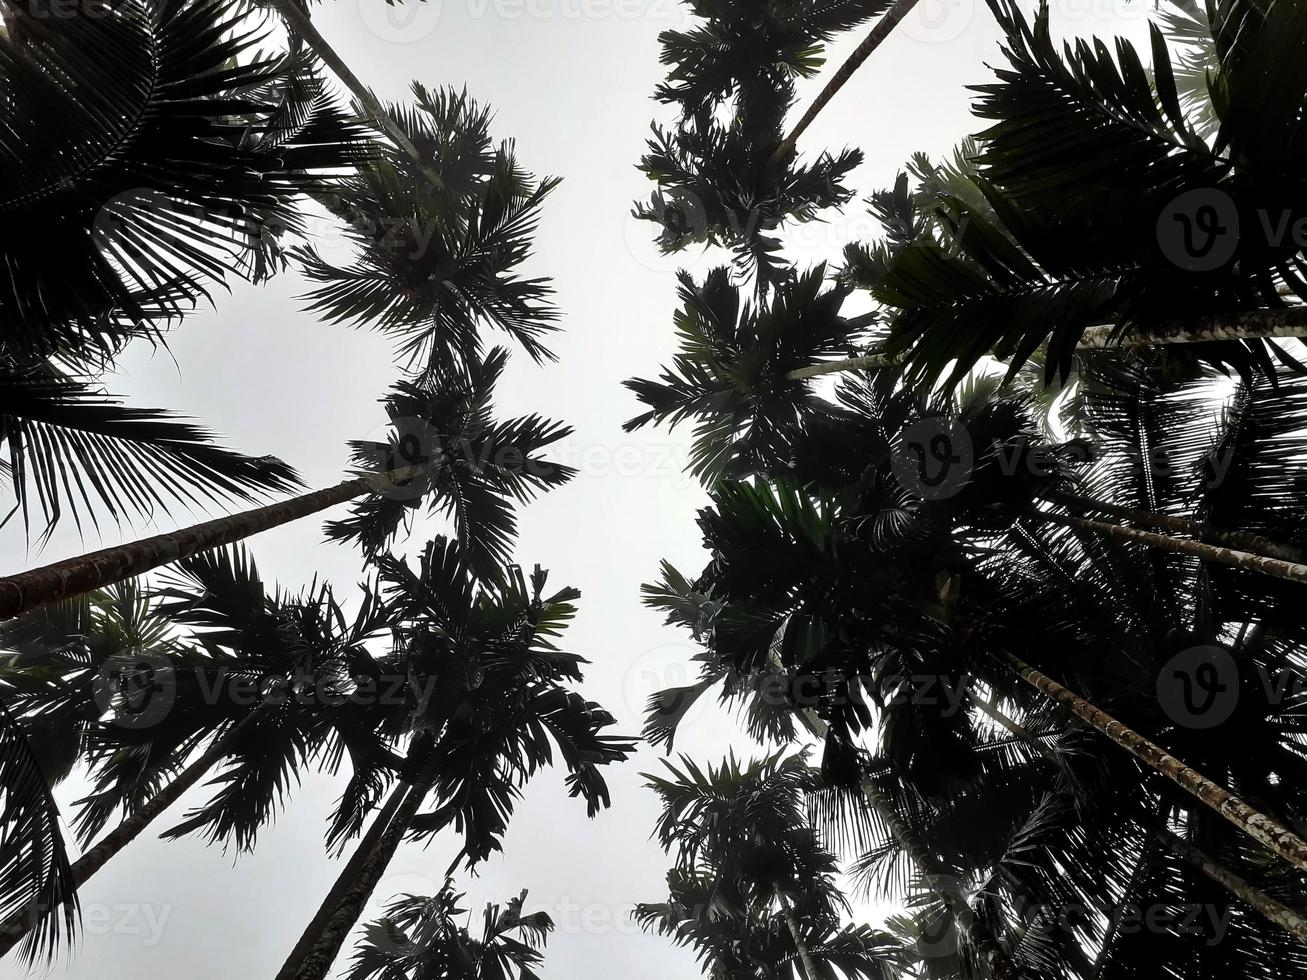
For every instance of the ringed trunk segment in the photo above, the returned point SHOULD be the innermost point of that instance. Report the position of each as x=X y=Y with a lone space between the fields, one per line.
x=318 y=961
x=1245 y=561
x=363 y=850
x=1248 y=893
x=1283 y=324
x=1252 y=896
x=792 y=921
x=879 y=32
x=1264 y=829
x=1236 y=540
x=73 y=576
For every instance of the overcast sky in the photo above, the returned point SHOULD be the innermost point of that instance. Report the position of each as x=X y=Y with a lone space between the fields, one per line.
x=571 y=82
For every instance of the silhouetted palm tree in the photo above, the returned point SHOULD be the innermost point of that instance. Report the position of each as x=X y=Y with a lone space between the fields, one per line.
x=420 y=939
x=108 y=680
x=753 y=891
x=488 y=706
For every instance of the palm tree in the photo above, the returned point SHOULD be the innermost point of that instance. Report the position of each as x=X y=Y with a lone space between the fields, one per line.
x=228 y=708
x=139 y=200
x=445 y=446
x=995 y=275
x=60 y=430
x=884 y=26
x=420 y=939
x=743 y=848
x=124 y=206
x=773 y=595
x=493 y=704
x=437 y=264
x=302 y=29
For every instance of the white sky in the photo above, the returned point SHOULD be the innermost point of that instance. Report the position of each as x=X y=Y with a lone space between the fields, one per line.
x=571 y=81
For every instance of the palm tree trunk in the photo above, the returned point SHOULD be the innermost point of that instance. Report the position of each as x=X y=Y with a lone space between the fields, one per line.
x=791 y=920
x=864 y=363
x=1277 y=567
x=1284 y=917
x=353 y=867
x=1262 y=828
x=317 y=962
x=300 y=22
x=73 y=576
x=1238 y=540
x=1249 y=894
x=998 y=965
x=887 y=22
x=1254 y=325
x=16 y=927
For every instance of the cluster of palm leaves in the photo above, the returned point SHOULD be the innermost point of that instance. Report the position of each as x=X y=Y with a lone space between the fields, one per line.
x=1029 y=574
x=153 y=150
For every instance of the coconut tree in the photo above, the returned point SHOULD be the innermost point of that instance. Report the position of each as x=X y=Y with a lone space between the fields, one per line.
x=489 y=707
x=419 y=938
x=75 y=450
x=125 y=201
x=124 y=205
x=753 y=890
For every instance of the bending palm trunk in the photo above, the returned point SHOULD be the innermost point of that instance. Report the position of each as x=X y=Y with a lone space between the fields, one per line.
x=1250 y=894
x=1236 y=540
x=1276 y=567
x=13 y=931
x=1264 y=829
x=300 y=23
x=353 y=892
x=888 y=21
x=792 y=921
x=74 y=576
x=348 y=874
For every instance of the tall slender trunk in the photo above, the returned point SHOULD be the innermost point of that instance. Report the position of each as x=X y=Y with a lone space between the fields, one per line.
x=865 y=362
x=302 y=25
x=363 y=850
x=372 y=866
x=791 y=920
x=887 y=22
x=1238 y=540
x=40 y=586
x=1276 y=567
x=16 y=927
x=1252 y=896
x=1262 y=828
x=1249 y=894
x=997 y=964
x=1253 y=325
